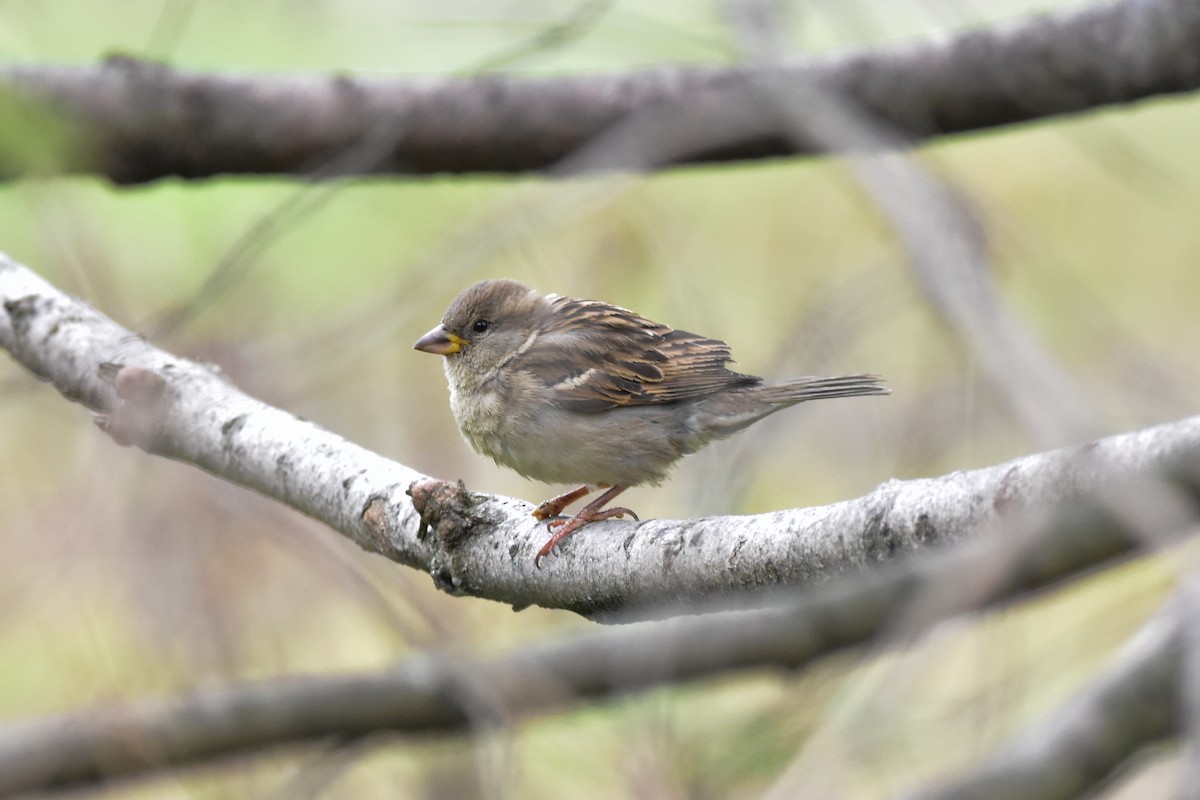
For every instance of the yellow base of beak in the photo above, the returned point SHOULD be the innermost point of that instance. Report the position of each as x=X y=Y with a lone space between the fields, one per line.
x=440 y=342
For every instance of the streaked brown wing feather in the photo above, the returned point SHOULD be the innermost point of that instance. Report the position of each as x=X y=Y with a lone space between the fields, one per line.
x=599 y=356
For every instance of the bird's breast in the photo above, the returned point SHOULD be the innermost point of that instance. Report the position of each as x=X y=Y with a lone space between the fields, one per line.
x=480 y=416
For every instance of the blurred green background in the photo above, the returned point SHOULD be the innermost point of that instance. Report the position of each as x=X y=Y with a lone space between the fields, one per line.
x=123 y=576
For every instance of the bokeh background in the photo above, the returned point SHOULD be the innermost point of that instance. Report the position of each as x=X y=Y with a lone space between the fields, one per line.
x=123 y=576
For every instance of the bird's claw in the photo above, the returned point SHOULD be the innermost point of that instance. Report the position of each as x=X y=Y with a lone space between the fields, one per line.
x=555 y=505
x=624 y=512
x=563 y=527
x=546 y=510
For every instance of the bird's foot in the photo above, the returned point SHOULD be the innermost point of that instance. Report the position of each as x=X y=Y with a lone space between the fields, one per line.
x=565 y=526
x=555 y=505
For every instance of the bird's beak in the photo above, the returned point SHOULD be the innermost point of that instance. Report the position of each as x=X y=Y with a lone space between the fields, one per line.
x=440 y=342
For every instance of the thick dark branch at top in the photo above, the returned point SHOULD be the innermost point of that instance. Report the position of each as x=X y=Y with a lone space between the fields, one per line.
x=139 y=122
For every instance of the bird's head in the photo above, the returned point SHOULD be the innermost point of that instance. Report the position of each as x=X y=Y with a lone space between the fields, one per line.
x=487 y=324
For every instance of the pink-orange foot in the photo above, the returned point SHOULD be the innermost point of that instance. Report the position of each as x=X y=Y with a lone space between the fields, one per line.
x=555 y=505
x=592 y=512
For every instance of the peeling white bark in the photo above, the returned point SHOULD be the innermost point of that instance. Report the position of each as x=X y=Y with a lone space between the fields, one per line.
x=484 y=546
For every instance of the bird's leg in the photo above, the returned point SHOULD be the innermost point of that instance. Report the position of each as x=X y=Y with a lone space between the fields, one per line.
x=555 y=505
x=592 y=512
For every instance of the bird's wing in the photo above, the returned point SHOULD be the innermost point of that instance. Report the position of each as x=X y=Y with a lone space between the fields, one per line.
x=597 y=356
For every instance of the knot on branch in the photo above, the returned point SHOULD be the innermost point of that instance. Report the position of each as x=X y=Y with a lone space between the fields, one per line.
x=136 y=417
x=448 y=509
x=22 y=310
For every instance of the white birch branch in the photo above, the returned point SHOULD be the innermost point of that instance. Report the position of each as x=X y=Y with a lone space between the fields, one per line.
x=482 y=545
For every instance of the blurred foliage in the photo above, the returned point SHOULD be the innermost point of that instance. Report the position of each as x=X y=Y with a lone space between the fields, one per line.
x=123 y=577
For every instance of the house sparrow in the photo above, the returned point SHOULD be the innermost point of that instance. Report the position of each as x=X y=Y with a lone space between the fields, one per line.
x=578 y=391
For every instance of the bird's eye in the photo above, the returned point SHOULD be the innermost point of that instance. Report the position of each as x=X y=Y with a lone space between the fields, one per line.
x=481 y=325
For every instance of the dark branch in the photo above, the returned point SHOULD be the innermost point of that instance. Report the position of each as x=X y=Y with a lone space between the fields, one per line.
x=1135 y=703
x=135 y=121
x=460 y=694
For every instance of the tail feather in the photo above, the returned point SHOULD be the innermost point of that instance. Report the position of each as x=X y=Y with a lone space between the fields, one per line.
x=804 y=388
x=725 y=414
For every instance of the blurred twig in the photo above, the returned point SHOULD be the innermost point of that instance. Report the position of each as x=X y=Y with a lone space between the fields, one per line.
x=583 y=17
x=948 y=251
x=169 y=28
x=670 y=117
x=946 y=241
x=1133 y=703
x=360 y=157
x=268 y=228
x=813 y=341
x=436 y=696
x=406 y=305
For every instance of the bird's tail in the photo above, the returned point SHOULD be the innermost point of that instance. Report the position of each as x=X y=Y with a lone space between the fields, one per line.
x=798 y=390
x=728 y=413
